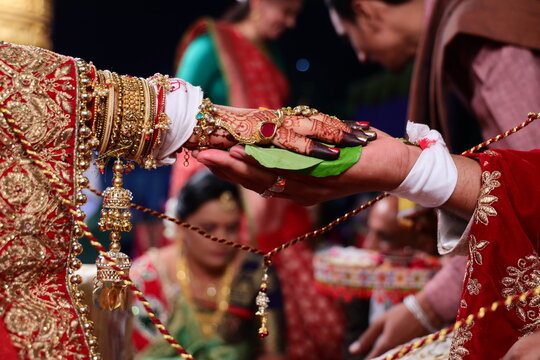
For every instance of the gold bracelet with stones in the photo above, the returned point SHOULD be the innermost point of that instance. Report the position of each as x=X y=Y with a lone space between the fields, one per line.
x=208 y=120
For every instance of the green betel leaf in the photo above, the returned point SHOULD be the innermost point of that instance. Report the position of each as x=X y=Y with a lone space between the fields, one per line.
x=347 y=158
x=288 y=160
x=280 y=158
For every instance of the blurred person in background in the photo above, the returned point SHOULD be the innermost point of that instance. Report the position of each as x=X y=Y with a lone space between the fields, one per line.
x=395 y=230
x=492 y=70
x=398 y=236
x=204 y=291
x=464 y=59
x=236 y=63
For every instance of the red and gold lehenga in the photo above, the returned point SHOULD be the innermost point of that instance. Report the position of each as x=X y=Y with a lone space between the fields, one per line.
x=503 y=245
x=50 y=99
x=40 y=317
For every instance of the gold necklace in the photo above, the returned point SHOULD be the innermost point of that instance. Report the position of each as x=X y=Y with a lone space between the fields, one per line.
x=208 y=321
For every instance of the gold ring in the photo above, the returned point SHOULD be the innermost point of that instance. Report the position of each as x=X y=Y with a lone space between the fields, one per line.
x=277 y=187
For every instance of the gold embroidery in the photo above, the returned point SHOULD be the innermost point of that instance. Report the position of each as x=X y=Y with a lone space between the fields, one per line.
x=473 y=286
x=34 y=231
x=475 y=257
x=461 y=337
x=483 y=208
x=474 y=249
x=492 y=153
x=523 y=277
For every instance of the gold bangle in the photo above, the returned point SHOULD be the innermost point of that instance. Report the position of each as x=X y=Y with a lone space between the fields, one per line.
x=146 y=128
x=108 y=120
x=151 y=118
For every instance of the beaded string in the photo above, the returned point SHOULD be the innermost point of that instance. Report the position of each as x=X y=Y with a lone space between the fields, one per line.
x=331 y=225
x=531 y=117
x=322 y=230
x=482 y=312
x=57 y=187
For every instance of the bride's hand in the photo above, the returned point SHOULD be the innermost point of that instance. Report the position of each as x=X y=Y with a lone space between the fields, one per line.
x=292 y=132
x=382 y=166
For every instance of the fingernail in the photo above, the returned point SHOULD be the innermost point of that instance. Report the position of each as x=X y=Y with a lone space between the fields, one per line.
x=362 y=139
x=363 y=124
x=354 y=347
x=322 y=152
x=351 y=140
x=372 y=135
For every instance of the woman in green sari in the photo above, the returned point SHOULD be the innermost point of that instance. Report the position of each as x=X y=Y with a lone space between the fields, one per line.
x=203 y=291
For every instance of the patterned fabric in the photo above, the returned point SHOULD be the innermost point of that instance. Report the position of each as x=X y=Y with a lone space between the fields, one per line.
x=503 y=244
x=37 y=315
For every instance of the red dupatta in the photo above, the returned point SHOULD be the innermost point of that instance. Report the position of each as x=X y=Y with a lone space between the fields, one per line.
x=252 y=78
x=504 y=241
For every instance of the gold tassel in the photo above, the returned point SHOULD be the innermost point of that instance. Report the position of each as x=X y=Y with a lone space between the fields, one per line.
x=262 y=300
x=110 y=292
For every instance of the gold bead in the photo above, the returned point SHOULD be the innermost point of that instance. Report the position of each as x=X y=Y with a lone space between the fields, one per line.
x=83 y=309
x=76 y=249
x=92 y=341
x=83 y=147
x=115 y=246
x=83 y=181
x=75 y=279
x=81 y=215
x=75 y=264
x=86 y=114
x=79 y=295
x=84 y=164
x=115 y=236
x=118 y=181
x=85 y=96
x=81 y=198
x=93 y=142
x=85 y=131
x=88 y=325
x=77 y=232
x=84 y=80
x=118 y=167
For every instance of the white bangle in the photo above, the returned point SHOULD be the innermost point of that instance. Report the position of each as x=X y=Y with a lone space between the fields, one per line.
x=414 y=307
x=433 y=178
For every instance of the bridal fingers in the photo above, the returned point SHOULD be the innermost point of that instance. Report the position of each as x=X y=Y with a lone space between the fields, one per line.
x=290 y=140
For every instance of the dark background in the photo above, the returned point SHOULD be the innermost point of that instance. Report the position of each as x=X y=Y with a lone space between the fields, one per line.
x=140 y=38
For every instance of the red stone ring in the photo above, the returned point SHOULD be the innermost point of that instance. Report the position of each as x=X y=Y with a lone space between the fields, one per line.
x=277 y=187
x=268 y=129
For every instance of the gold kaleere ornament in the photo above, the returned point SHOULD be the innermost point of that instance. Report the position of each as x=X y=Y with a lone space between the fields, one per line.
x=110 y=292
x=262 y=300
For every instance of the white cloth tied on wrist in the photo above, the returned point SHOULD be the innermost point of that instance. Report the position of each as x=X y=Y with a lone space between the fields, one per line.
x=433 y=178
x=181 y=105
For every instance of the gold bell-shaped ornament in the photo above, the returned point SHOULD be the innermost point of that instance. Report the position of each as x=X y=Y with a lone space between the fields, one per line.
x=110 y=292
